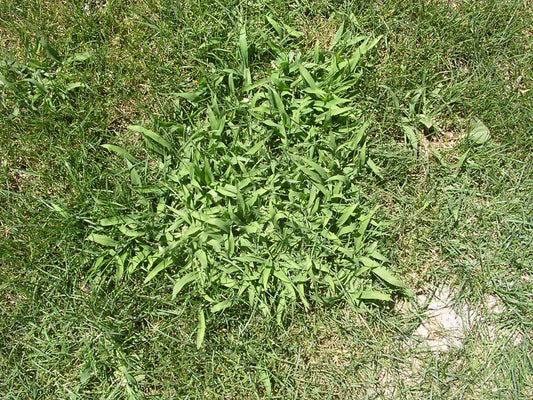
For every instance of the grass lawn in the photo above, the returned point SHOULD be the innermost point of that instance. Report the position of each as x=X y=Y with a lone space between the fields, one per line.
x=286 y=200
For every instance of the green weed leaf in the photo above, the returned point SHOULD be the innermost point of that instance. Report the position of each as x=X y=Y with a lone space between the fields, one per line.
x=150 y=135
x=200 y=334
x=102 y=239
x=374 y=295
x=388 y=277
x=182 y=282
x=160 y=267
x=50 y=51
x=121 y=152
x=478 y=133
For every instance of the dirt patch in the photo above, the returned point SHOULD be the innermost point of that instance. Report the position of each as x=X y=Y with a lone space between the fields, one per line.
x=446 y=324
x=320 y=31
x=444 y=327
x=445 y=141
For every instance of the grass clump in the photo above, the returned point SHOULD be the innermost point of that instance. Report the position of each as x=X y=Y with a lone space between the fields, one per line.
x=254 y=198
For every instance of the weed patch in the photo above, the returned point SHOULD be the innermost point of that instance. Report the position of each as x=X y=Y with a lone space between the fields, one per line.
x=253 y=196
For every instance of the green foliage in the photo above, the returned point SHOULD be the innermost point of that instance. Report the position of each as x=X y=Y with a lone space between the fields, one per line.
x=478 y=133
x=254 y=197
x=41 y=86
x=452 y=212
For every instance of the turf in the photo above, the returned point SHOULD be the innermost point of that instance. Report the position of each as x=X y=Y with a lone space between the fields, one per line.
x=454 y=208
